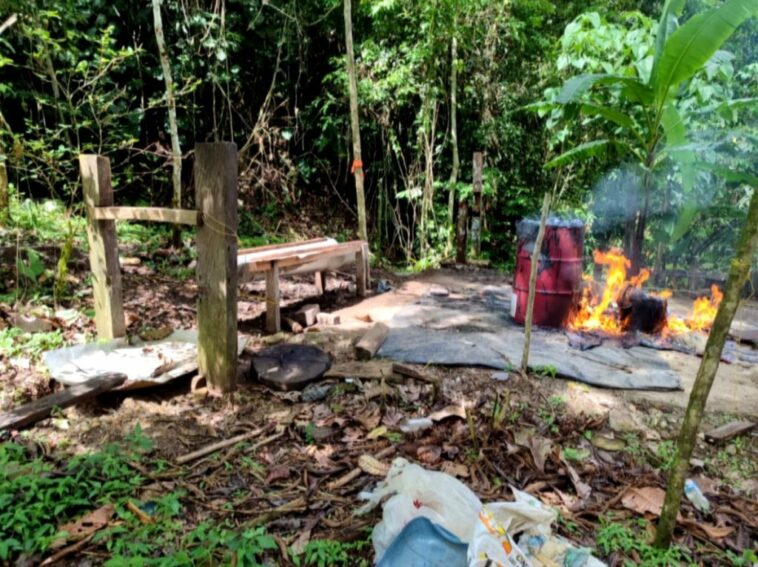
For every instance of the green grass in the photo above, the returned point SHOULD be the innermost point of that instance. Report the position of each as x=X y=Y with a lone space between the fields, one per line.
x=14 y=342
x=613 y=537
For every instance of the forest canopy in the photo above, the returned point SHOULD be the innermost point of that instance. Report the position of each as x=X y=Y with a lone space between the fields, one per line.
x=83 y=76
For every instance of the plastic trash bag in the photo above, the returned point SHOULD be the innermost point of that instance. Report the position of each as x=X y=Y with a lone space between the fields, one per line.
x=489 y=530
x=415 y=491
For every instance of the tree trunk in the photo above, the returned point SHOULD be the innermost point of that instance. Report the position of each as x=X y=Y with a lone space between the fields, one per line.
x=533 y=280
x=4 y=200
x=738 y=273
x=352 y=86
x=453 y=135
x=176 y=152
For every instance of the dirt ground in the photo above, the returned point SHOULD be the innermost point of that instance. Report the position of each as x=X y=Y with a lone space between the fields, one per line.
x=298 y=471
x=735 y=389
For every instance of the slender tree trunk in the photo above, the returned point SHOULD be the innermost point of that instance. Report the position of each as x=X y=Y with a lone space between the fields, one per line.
x=4 y=200
x=738 y=273
x=453 y=137
x=533 y=280
x=352 y=86
x=176 y=152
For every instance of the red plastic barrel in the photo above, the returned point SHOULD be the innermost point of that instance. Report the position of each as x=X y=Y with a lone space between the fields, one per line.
x=559 y=273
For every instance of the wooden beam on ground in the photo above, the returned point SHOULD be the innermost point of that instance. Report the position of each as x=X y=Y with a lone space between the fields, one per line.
x=273 y=311
x=41 y=408
x=103 y=248
x=372 y=341
x=216 y=198
x=362 y=278
x=729 y=431
x=154 y=214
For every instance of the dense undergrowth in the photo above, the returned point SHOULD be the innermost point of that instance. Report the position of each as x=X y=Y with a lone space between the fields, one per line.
x=40 y=493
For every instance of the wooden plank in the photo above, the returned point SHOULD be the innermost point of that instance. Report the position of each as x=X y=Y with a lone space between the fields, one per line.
x=295 y=255
x=319 y=280
x=273 y=311
x=248 y=266
x=372 y=341
x=103 y=248
x=286 y=251
x=362 y=277
x=281 y=246
x=216 y=198
x=155 y=214
x=367 y=370
x=41 y=408
x=729 y=431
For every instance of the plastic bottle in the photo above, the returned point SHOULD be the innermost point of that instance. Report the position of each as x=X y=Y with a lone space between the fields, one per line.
x=694 y=495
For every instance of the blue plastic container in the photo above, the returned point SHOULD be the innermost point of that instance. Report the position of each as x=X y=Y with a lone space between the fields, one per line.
x=423 y=543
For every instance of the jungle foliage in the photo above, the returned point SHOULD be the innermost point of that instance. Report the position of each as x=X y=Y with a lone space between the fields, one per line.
x=85 y=76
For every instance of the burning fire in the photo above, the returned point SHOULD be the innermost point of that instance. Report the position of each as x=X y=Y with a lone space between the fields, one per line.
x=596 y=307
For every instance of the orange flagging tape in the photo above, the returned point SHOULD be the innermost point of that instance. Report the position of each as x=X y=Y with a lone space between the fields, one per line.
x=357 y=164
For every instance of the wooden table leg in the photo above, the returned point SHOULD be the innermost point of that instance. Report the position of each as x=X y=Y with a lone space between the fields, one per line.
x=273 y=314
x=363 y=279
x=319 y=280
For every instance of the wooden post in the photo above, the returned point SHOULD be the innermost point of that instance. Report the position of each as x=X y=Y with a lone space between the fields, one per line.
x=462 y=232
x=319 y=280
x=362 y=278
x=476 y=217
x=103 y=248
x=216 y=198
x=273 y=312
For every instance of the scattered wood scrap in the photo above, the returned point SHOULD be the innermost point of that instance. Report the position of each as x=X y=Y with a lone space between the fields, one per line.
x=729 y=431
x=41 y=408
x=372 y=341
x=367 y=370
x=213 y=447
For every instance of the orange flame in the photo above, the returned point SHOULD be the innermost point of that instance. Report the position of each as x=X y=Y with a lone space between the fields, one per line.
x=597 y=309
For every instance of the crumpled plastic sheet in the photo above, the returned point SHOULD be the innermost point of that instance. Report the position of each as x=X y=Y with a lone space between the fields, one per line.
x=488 y=529
x=139 y=360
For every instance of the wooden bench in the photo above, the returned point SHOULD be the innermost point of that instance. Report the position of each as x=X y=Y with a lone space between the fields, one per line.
x=315 y=256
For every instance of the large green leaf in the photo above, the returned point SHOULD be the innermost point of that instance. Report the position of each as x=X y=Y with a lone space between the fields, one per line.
x=695 y=42
x=579 y=153
x=575 y=87
x=610 y=114
x=673 y=126
x=666 y=25
x=684 y=220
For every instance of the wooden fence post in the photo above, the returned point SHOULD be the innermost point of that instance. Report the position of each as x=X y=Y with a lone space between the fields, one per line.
x=476 y=217
x=103 y=248
x=216 y=197
x=462 y=232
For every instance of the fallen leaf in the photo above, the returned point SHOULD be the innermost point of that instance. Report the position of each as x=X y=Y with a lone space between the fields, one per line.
x=648 y=499
x=372 y=466
x=278 y=473
x=392 y=418
x=299 y=545
x=429 y=454
x=608 y=443
x=156 y=334
x=540 y=448
x=583 y=489
x=369 y=419
x=377 y=432
x=449 y=411
x=455 y=469
x=365 y=318
x=84 y=526
x=711 y=531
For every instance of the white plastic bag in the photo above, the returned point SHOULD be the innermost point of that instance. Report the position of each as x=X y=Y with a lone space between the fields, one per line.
x=489 y=530
x=416 y=492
